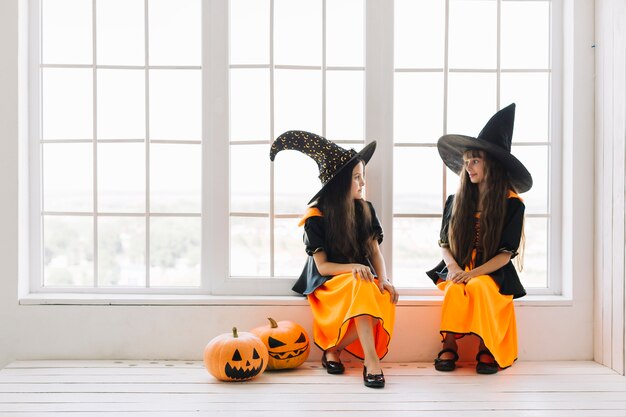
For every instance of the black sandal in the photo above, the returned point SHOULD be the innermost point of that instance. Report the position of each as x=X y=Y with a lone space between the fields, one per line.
x=486 y=368
x=446 y=365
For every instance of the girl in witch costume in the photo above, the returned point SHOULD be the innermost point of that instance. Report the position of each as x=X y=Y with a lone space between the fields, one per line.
x=481 y=230
x=344 y=278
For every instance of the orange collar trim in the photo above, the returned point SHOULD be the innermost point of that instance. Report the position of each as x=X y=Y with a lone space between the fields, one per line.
x=512 y=194
x=310 y=212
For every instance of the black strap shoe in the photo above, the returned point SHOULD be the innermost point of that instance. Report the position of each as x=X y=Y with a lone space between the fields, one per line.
x=332 y=367
x=486 y=368
x=373 y=380
x=446 y=365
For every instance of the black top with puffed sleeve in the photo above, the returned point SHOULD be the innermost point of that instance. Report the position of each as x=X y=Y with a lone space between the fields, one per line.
x=315 y=241
x=506 y=277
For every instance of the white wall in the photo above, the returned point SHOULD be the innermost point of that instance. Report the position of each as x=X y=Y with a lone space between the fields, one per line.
x=547 y=330
x=8 y=179
x=610 y=306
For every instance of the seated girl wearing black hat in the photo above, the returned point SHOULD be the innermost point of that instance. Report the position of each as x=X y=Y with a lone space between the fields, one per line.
x=481 y=230
x=344 y=279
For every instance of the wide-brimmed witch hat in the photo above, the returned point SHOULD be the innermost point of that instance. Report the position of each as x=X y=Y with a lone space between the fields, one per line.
x=330 y=157
x=495 y=139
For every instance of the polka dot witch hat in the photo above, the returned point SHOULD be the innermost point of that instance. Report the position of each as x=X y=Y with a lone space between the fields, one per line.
x=495 y=138
x=330 y=157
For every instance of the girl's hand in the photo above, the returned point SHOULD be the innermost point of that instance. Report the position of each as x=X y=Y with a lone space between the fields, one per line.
x=363 y=272
x=455 y=273
x=384 y=284
x=461 y=277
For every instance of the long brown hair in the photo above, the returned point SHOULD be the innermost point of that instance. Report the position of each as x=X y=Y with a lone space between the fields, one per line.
x=348 y=221
x=493 y=203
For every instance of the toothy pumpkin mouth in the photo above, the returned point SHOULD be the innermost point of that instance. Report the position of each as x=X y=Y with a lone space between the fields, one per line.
x=289 y=354
x=240 y=373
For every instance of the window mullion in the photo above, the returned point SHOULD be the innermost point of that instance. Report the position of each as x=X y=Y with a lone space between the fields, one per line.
x=379 y=75
x=215 y=149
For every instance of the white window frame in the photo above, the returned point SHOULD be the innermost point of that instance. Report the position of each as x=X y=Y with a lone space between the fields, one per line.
x=379 y=75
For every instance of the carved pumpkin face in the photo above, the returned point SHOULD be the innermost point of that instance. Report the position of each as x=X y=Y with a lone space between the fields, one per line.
x=236 y=357
x=286 y=342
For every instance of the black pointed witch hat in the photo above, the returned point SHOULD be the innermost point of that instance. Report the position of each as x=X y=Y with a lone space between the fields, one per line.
x=495 y=138
x=330 y=157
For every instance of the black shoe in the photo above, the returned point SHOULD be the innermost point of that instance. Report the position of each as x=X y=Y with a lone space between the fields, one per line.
x=446 y=365
x=486 y=368
x=373 y=380
x=332 y=367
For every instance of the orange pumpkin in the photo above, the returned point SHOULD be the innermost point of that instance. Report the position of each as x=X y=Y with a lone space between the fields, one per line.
x=286 y=342
x=236 y=357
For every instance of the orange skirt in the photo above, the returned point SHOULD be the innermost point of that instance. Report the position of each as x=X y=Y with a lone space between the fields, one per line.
x=341 y=299
x=478 y=308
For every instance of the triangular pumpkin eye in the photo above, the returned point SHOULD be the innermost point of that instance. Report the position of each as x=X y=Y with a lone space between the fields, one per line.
x=274 y=343
x=301 y=339
x=236 y=355
x=255 y=354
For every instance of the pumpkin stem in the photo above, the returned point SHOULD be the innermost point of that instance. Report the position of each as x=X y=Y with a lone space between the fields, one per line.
x=273 y=324
x=235 y=335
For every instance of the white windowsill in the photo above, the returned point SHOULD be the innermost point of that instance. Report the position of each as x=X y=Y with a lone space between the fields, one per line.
x=228 y=300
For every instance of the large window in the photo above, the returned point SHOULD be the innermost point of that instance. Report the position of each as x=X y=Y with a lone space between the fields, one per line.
x=456 y=63
x=118 y=138
x=148 y=110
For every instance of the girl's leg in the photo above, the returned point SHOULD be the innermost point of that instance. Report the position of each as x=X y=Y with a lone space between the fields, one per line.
x=365 y=330
x=449 y=342
x=485 y=358
x=351 y=335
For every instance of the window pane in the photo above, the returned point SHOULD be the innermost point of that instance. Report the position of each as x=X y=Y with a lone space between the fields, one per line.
x=419 y=33
x=121 y=177
x=344 y=104
x=249 y=247
x=418 y=178
x=67 y=186
x=175 y=104
x=249 y=104
x=525 y=34
x=535 y=273
x=418 y=107
x=121 y=104
x=298 y=102
x=535 y=159
x=415 y=251
x=289 y=248
x=452 y=184
x=121 y=251
x=345 y=33
x=249 y=178
x=66 y=31
x=531 y=94
x=175 y=252
x=175 y=174
x=473 y=34
x=295 y=182
x=175 y=32
x=471 y=102
x=120 y=32
x=249 y=31
x=67 y=251
x=298 y=32
x=67 y=103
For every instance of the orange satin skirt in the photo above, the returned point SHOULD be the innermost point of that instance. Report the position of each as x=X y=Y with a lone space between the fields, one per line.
x=342 y=298
x=478 y=308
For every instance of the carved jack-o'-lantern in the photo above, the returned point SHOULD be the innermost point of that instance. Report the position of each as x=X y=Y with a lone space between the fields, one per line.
x=287 y=343
x=236 y=357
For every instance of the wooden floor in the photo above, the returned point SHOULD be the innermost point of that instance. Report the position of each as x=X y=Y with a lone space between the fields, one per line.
x=178 y=388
